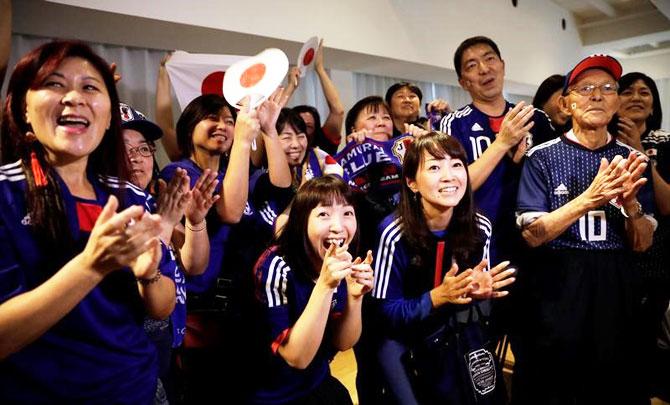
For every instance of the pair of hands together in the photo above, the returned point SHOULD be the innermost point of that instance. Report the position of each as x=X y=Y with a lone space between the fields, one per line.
x=338 y=264
x=475 y=283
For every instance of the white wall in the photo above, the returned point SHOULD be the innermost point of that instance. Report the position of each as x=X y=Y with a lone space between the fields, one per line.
x=423 y=32
x=657 y=67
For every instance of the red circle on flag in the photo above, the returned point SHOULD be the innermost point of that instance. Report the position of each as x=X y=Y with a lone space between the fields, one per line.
x=252 y=75
x=213 y=83
x=309 y=57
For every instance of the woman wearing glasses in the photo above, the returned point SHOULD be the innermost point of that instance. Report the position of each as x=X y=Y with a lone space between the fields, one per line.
x=189 y=245
x=582 y=202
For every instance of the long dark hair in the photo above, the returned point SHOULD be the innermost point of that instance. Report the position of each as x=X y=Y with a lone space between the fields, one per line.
x=656 y=117
x=197 y=110
x=45 y=204
x=462 y=236
x=294 y=244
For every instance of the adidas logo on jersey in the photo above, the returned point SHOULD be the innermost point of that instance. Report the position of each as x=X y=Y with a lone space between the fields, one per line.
x=477 y=127
x=561 y=190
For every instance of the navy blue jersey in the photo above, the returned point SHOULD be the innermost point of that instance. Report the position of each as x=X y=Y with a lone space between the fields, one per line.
x=283 y=296
x=249 y=238
x=657 y=147
x=653 y=263
x=217 y=231
x=496 y=197
x=558 y=171
x=99 y=351
x=403 y=285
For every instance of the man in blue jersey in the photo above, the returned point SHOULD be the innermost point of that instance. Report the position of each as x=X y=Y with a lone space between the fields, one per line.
x=582 y=204
x=495 y=134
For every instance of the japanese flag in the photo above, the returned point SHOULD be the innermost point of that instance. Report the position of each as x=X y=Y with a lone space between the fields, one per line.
x=194 y=74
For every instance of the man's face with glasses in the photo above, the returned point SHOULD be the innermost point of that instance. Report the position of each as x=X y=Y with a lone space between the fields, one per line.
x=592 y=99
x=140 y=153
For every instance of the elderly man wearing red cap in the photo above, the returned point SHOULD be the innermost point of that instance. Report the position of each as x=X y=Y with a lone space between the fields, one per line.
x=582 y=203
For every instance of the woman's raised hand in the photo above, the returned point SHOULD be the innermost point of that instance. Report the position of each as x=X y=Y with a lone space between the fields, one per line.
x=247 y=126
x=360 y=281
x=628 y=133
x=118 y=239
x=414 y=130
x=489 y=284
x=454 y=288
x=269 y=110
x=173 y=198
x=358 y=136
x=203 y=197
x=336 y=266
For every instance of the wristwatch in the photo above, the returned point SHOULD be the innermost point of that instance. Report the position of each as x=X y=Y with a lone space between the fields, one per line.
x=637 y=213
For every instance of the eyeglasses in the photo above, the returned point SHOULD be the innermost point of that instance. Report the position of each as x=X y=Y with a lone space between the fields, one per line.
x=143 y=150
x=588 y=89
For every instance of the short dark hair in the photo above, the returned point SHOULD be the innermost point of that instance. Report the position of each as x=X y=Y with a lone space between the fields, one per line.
x=293 y=242
x=402 y=85
x=197 y=110
x=469 y=43
x=288 y=116
x=656 y=117
x=462 y=236
x=549 y=86
x=371 y=102
x=318 y=131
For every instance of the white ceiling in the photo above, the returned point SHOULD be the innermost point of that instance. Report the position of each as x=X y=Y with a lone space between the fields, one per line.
x=623 y=28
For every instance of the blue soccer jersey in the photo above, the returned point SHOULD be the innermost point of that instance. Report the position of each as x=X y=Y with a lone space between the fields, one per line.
x=217 y=231
x=558 y=171
x=496 y=197
x=402 y=285
x=99 y=351
x=283 y=296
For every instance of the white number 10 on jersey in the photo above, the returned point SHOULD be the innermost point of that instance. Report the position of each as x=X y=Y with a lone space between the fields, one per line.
x=479 y=145
x=588 y=230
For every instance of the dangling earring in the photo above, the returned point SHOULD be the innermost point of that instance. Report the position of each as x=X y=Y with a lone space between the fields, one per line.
x=38 y=173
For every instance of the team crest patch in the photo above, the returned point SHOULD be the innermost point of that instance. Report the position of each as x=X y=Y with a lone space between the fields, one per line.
x=400 y=147
x=482 y=370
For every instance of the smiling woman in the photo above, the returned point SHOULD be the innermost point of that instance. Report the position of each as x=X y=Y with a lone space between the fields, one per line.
x=74 y=274
x=308 y=312
x=432 y=273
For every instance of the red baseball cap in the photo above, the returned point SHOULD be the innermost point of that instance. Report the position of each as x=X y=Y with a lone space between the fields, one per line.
x=603 y=62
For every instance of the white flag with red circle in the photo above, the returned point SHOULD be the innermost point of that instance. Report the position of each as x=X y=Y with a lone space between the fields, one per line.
x=255 y=77
x=194 y=74
x=307 y=54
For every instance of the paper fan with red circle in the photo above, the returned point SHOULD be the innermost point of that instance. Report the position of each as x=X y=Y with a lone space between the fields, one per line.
x=257 y=77
x=307 y=55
